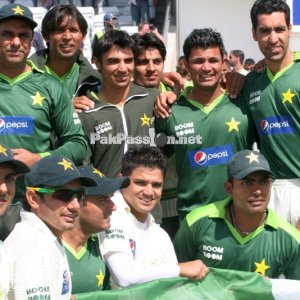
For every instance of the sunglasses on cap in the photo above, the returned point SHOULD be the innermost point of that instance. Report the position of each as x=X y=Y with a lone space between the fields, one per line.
x=62 y=194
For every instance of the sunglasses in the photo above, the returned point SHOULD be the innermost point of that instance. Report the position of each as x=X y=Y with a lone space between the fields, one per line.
x=62 y=194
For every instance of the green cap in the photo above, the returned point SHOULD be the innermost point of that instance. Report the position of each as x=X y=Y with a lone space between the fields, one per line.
x=245 y=162
x=17 y=11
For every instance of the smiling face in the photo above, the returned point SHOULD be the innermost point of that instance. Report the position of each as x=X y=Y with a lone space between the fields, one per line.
x=272 y=35
x=7 y=186
x=149 y=68
x=144 y=191
x=65 y=41
x=251 y=195
x=205 y=67
x=58 y=215
x=15 y=44
x=116 y=67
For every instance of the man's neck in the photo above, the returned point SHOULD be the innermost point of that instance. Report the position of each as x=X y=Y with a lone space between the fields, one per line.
x=278 y=65
x=60 y=66
x=14 y=72
x=244 y=223
x=75 y=238
x=203 y=96
x=114 y=95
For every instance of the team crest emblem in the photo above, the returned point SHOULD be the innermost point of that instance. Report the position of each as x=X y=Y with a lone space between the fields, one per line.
x=66 y=283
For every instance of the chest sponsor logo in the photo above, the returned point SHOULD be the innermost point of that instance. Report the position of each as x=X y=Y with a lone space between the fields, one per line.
x=41 y=292
x=66 y=283
x=11 y=125
x=275 y=125
x=213 y=252
x=254 y=97
x=103 y=127
x=184 y=129
x=210 y=156
x=76 y=119
x=114 y=234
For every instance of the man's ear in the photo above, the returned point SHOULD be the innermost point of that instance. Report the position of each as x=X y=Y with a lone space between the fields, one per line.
x=254 y=34
x=33 y=199
x=186 y=63
x=46 y=38
x=228 y=187
x=97 y=63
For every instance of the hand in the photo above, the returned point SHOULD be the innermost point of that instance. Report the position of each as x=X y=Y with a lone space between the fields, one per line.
x=260 y=66
x=173 y=79
x=82 y=103
x=163 y=103
x=234 y=83
x=26 y=156
x=194 y=269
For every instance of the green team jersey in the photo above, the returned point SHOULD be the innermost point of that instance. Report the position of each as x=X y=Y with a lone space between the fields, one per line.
x=272 y=249
x=88 y=271
x=69 y=80
x=274 y=102
x=112 y=130
x=33 y=106
x=222 y=129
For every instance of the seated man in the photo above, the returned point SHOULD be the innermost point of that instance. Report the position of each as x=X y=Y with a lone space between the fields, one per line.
x=82 y=243
x=37 y=261
x=135 y=248
x=240 y=232
x=10 y=169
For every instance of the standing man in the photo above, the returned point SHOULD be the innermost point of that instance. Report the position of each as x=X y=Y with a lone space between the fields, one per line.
x=236 y=58
x=240 y=232
x=34 y=104
x=37 y=261
x=64 y=29
x=10 y=169
x=273 y=98
x=150 y=53
x=219 y=126
x=88 y=269
x=135 y=248
x=123 y=111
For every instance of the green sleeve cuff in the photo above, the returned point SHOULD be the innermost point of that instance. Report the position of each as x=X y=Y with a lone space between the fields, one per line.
x=42 y=155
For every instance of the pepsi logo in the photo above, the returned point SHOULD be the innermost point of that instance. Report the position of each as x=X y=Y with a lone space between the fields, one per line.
x=2 y=125
x=264 y=124
x=200 y=158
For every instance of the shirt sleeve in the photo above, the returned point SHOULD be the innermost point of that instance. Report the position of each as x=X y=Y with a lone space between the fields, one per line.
x=126 y=271
x=183 y=243
x=118 y=250
x=71 y=141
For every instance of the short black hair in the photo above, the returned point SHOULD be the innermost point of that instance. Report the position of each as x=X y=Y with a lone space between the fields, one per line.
x=267 y=7
x=119 y=38
x=149 y=157
x=203 y=38
x=249 y=61
x=240 y=54
x=55 y=16
x=146 y=41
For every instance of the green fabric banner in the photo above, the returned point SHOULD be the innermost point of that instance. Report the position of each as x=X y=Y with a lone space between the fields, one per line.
x=218 y=284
